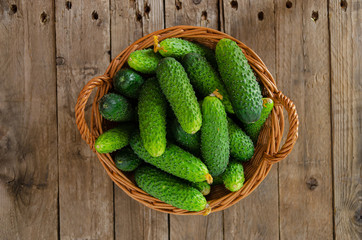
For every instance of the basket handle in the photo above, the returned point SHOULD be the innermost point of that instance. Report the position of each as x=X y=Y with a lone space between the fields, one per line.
x=82 y=100
x=292 y=131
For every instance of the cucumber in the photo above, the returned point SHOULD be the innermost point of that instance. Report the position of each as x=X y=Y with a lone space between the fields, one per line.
x=191 y=142
x=116 y=108
x=214 y=136
x=126 y=160
x=152 y=118
x=240 y=81
x=209 y=54
x=241 y=146
x=202 y=187
x=113 y=139
x=253 y=129
x=128 y=83
x=169 y=189
x=204 y=78
x=144 y=61
x=179 y=92
x=177 y=48
x=174 y=161
x=233 y=177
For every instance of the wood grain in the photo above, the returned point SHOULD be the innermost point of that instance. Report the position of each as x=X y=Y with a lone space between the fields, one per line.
x=197 y=227
x=130 y=20
x=85 y=190
x=126 y=24
x=28 y=124
x=255 y=217
x=196 y=13
x=303 y=73
x=346 y=74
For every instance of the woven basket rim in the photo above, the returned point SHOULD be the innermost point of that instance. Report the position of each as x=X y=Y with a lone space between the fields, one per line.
x=266 y=154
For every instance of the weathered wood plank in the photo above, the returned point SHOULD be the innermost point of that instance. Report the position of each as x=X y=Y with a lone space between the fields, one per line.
x=197 y=227
x=130 y=20
x=197 y=13
x=256 y=217
x=28 y=128
x=153 y=16
x=126 y=24
x=303 y=73
x=346 y=74
x=85 y=191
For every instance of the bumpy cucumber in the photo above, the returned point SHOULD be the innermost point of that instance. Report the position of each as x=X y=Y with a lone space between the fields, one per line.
x=253 y=129
x=233 y=177
x=126 y=160
x=177 y=48
x=191 y=142
x=214 y=136
x=240 y=81
x=116 y=108
x=202 y=187
x=241 y=146
x=179 y=92
x=174 y=161
x=204 y=78
x=113 y=139
x=128 y=82
x=169 y=189
x=144 y=61
x=152 y=117
x=209 y=54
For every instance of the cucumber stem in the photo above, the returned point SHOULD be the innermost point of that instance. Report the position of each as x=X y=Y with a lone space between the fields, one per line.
x=217 y=94
x=208 y=178
x=156 y=45
x=266 y=100
x=207 y=210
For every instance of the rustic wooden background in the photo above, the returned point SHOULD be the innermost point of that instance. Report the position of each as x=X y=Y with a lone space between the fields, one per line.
x=53 y=187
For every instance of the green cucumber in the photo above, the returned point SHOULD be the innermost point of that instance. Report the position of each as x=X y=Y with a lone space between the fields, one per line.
x=202 y=187
x=214 y=136
x=233 y=177
x=128 y=83
x=179 y=92
x=169 y=189
x=241 y=146
x=174 y=161
x=204 y=78
x=191 y=142
x=152 y=117
x=126 y=160
x=113 y=139
x=144 y=61
x=240 y=81
x=177 y=48
x=116 y=108
x=253 y=129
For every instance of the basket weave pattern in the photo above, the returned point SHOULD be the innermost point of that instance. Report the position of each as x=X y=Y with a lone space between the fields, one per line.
x=267 y=151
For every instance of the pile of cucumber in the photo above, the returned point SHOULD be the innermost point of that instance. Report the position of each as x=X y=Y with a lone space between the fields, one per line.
x=189 y=116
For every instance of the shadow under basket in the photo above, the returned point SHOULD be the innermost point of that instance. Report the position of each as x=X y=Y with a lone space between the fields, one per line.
x=267 y=151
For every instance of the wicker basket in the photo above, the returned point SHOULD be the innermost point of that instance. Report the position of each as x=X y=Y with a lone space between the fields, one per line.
x=267 y=150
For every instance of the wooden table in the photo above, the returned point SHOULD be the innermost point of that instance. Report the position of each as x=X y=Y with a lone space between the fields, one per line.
x=53 y=187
